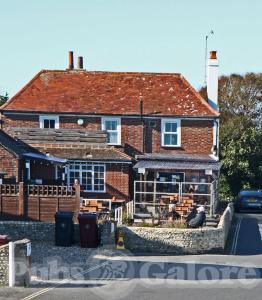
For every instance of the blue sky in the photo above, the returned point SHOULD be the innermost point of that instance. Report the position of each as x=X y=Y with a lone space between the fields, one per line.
x=127 y=35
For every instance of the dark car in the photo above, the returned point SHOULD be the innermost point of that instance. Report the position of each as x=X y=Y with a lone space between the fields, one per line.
x=249 y=200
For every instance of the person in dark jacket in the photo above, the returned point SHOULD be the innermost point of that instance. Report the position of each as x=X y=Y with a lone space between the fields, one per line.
x=199 y=219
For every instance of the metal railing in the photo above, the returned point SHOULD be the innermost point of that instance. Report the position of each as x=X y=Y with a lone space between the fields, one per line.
x=118 y=215
x=148 y=195
x=130 y=209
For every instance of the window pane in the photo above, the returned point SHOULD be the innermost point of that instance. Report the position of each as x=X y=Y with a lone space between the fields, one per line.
x=112 y=137
x=174 y=139
x=167 y=139
x=174 y=127
x=170 y=127
x=170 y=139
x=111 y=125
x=51 y=123
x=46 y=123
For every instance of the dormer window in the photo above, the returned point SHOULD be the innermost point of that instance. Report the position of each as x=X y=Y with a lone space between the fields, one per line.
x=113 y=128
x=49 y=122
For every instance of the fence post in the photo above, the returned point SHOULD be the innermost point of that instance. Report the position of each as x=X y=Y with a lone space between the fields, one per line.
x=21 y=199
x=180 y=192
x=11 y=264
x=77 y=199
x=1 y=199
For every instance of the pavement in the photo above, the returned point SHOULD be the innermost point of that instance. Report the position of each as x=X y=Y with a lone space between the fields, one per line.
x=235 y=275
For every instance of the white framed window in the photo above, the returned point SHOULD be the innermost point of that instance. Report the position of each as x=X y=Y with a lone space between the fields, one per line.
x=171 y=133
x=113 y=128
x=91 y=176
x=49 y=121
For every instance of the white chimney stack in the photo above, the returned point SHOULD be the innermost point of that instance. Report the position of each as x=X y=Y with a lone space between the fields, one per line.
x=212 y=80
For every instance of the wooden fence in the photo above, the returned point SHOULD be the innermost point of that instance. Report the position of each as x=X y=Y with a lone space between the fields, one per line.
x=37 y=202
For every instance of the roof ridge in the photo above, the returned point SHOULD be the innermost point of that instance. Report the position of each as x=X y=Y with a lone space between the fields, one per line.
x=75 y=71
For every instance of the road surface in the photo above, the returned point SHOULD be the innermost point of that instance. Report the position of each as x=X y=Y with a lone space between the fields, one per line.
x=235 y=275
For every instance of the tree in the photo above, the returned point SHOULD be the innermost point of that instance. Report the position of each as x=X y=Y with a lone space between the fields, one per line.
x=3 y=98
x=240 y=98
x=240 y=103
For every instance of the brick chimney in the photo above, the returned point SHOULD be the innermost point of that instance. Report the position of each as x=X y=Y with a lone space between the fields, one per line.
x=80 y=64
x=71 y=60
x=212 y=80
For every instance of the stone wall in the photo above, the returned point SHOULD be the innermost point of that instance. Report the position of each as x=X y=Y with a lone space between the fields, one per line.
x=179 y=241
x=4 y=261
x=39 y=231
x=35 y=231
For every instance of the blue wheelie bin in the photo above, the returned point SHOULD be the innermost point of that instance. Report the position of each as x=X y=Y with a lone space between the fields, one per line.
x=64 y=229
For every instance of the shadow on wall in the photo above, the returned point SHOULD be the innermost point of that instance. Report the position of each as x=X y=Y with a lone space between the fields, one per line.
x=12 y=217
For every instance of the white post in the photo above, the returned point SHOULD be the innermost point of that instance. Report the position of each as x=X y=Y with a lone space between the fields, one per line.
x=134 y=196
x=121 y=214
x=11 y=264
x=180 y=192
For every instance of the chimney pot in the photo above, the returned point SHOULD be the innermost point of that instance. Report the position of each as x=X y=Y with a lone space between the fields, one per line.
x=71 y=60
x=213 y=55
x=80 y=62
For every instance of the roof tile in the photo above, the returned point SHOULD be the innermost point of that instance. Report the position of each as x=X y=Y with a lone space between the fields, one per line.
x=74 y=91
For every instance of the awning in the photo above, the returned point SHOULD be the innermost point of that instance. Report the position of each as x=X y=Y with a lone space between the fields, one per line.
x=56 y=160
x=176 y=165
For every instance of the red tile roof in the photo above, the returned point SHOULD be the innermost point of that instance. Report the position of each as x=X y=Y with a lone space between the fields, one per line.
x=75 y=91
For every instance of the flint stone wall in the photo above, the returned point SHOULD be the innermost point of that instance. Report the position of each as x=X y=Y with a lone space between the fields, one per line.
x=179 y=241
x=42 y=231
x=4 y=262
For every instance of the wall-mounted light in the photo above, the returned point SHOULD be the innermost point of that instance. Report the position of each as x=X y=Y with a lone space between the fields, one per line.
x=80 y=122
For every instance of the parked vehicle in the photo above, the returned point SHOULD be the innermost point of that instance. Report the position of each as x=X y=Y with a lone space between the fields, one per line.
x=249 y=200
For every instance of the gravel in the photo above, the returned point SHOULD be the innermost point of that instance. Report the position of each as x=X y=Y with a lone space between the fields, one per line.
x=49 y=261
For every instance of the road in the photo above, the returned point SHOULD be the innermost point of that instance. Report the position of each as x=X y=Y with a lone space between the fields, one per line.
x=235 y=275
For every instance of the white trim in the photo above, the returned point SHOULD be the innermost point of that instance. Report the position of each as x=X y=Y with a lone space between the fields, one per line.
x=171 y=120
x=216 y=136
x=118 y=130
x=80 y=170
x=48 y=117
x=28 y=167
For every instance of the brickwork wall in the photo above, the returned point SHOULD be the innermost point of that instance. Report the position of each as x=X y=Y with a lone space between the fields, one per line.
x=8 y=164
x=196 y=136
x=117 y=180
x=10 y=121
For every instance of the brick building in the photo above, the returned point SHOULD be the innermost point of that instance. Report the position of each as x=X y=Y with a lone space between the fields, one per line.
x=109 y=129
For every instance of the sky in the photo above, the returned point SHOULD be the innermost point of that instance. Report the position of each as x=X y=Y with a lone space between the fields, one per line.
x=128 y=35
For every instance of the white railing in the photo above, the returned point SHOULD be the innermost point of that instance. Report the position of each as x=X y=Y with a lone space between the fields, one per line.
x=150 y=193
x=130 y=209
x=118 y=214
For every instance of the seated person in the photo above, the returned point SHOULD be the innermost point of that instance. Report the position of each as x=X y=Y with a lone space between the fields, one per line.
x=199 y=218
x=172 y=214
